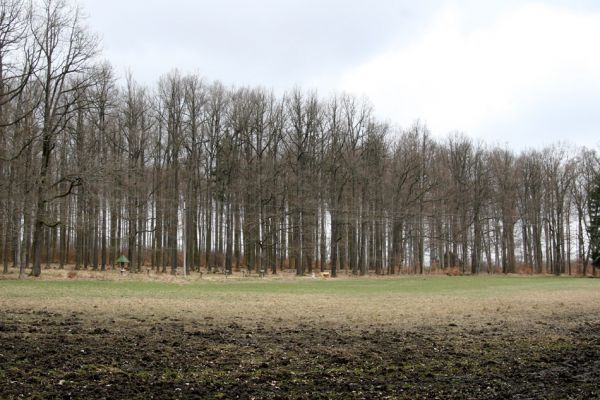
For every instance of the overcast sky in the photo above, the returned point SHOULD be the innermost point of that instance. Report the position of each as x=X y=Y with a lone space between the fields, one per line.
x=520 y=73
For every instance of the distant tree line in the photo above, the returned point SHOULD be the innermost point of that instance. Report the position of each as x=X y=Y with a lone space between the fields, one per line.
x=192 y=174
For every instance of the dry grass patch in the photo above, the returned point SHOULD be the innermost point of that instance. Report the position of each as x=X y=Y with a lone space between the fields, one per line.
x=385 y=303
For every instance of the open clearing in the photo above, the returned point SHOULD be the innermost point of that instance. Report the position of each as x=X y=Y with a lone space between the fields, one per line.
x=409 y=337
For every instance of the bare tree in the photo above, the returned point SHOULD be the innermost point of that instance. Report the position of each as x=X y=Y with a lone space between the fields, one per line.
x=504 y=171
x=66 y=52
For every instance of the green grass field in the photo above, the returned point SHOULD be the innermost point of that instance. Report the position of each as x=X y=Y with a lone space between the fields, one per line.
x=483 y=286
x=403 y=300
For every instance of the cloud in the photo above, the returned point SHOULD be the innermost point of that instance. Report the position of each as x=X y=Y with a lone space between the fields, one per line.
x=263 y=42
x=476 y=73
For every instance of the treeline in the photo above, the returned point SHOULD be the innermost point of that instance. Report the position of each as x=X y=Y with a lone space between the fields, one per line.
x=193 y=174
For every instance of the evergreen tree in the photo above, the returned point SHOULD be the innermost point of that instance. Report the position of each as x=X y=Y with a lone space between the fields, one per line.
x=594 y=225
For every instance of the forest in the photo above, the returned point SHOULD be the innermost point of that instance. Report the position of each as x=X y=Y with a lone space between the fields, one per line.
x=189 y=174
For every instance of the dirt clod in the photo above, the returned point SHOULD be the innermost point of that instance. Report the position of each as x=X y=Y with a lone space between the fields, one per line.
x=118 y=360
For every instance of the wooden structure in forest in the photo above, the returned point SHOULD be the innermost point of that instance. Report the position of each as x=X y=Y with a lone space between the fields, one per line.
x=123 y=263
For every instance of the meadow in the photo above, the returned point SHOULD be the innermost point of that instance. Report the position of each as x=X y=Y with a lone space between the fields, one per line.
x=103 y=335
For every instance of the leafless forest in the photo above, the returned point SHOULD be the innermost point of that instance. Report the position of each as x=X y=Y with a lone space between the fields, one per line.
x=189 y=173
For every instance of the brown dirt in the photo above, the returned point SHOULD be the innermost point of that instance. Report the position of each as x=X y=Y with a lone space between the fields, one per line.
x=74 y=354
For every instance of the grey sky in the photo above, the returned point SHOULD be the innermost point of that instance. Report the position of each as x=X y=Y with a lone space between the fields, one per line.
x=521 y=73
x=268 y=42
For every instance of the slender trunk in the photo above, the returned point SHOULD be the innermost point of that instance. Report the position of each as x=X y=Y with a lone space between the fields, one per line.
x=334 y=243
x=229 y=240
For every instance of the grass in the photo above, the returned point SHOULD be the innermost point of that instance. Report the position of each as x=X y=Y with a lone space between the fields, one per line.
x=481 y=286
x=359 y=302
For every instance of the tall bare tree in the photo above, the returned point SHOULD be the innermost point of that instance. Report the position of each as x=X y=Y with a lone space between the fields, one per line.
x=67 y=50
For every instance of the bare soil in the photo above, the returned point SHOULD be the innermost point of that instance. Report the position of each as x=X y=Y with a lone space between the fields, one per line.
x=75 y=354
